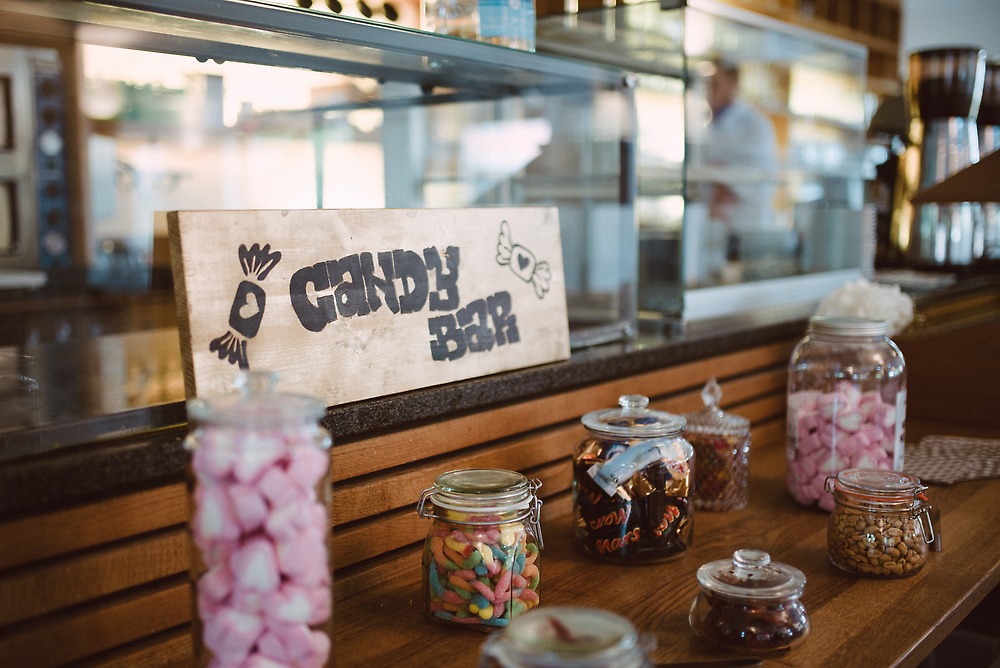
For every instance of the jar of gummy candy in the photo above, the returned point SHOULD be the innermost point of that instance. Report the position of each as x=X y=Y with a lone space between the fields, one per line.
x=632 y=480
x=567 y=637
x=481 y=557
x=260 y=492
x=880 y=524
x=750 y=603
x=721 y=443
x=846 y=404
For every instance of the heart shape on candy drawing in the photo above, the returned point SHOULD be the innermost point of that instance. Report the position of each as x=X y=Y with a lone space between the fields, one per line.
x=525 y=262
x=247 y=311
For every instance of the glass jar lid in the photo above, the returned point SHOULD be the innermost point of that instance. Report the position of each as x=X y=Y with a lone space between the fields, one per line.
x=633 y=420
x=256 y=404
x=498 y=489
x=878 y=484
x=751 y=574
x=847 y=326
x=569 y=636
x=712 y=419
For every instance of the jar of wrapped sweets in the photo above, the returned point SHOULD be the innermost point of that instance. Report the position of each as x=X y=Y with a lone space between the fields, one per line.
x=721 y=444
x=632 y=480
x=846 y=404
x=880 y=525
x=260 y=490
x=481 y=556
x=567 y=637
x=750 y=603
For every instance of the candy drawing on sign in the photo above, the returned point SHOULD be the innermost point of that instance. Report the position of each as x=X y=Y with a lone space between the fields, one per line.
x=522 y=262
x=247 y=310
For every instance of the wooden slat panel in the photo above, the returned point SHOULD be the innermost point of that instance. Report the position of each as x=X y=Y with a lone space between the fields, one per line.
x=172 y=648
x=29 y=539
x=71 y=636
x=373 y=495
x=355 y=458
x=36 y=591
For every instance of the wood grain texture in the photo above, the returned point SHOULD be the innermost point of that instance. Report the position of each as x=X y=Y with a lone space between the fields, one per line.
x=855 y=621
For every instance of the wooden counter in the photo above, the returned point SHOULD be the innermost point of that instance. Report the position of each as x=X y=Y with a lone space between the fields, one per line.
x=855 y=621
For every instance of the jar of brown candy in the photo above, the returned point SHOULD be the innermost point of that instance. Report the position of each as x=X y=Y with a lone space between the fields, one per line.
x=750 y=603
x=721 y=444
x=632 y=483
x=880 y=524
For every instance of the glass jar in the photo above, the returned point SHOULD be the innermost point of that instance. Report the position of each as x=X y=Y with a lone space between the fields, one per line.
x=632 y=483
x=481 y=556
x=750 y=603
x=880 y=524
x=567 y=637
x=846 y=404
x=260 y=495
x=721 y=443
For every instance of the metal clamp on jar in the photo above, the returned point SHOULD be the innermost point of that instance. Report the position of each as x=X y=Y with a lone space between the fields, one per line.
x=880 y=524
x=632 y=483
x=481 y=556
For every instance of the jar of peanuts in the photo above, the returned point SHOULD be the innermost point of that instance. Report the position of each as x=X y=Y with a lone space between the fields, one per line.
x=880 y=524
x=846 y=404
x=721 y=443
x=568 y=637
x=481 y=556
x=260 y=492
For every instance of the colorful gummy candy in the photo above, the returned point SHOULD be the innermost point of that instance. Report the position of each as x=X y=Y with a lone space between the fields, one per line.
x=261 y=529
x=480 y=575
x=836 y=430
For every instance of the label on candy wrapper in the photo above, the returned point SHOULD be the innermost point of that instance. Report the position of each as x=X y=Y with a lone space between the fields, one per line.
x=611 y=474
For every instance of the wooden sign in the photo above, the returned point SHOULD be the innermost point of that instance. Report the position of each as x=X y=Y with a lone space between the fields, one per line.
x=353 y=304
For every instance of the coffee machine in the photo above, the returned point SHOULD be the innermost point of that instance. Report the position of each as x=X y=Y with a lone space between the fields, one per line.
x=945 y=90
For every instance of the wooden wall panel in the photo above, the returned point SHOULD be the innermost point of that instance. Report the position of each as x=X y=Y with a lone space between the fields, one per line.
x=109 y=578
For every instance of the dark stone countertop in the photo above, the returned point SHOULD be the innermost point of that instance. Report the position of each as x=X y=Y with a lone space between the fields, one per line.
x=114 y=451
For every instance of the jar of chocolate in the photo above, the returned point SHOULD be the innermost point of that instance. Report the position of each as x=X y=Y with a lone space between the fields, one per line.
x=481 y=556
x=750 y=603
x=567 y=637
x=632 y=479
x=260 y=527
x=721 y=444
x=846 y=404
x=880 y=524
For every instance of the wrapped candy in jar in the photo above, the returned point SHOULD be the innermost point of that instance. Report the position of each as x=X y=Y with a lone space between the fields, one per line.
x=721 y=443
x=880 y=524
x=750 y=603
x=846 y=404
x=567 y=637
x=481 y=556
x=631 y=484
x=259 y=476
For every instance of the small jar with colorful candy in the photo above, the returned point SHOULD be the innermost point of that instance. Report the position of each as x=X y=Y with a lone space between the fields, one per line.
x=846 y=404
x=481 y=556
x=721 y=444
x=568 y=637
x=632 y=483
x=260 y=491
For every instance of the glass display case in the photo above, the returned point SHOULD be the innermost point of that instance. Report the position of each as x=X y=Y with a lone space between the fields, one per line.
x=246 y=104
x=751 y=153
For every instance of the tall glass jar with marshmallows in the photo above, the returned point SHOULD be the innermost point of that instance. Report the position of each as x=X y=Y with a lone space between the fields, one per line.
x=481 y=555
x=846 y=404
x=260 y=501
